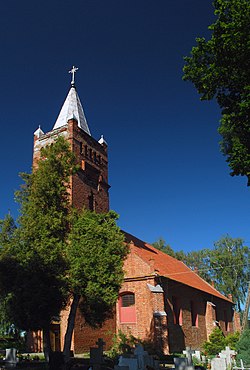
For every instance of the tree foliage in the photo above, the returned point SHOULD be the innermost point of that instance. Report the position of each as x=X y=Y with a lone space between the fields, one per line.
x=32 y=262
x=219 y=68
x=243 y=347
x=215 y=344
x=229 y=269
x=57 y=254
x=162 y=246
x=96 y=251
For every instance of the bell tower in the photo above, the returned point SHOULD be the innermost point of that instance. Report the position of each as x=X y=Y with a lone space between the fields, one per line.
x=89 y=187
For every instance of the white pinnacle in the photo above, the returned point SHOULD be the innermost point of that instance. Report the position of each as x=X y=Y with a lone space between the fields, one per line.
x=72 y=108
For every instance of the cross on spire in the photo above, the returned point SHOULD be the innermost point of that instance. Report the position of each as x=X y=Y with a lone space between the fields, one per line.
x=73 y=71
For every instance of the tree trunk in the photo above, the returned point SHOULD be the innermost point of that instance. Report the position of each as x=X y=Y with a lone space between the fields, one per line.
x=70 y=328
x=46 y=343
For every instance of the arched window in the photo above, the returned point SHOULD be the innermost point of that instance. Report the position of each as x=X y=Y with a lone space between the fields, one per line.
x=127 y=308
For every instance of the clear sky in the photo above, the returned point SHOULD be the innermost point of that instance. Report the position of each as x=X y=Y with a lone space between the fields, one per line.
x=168 y=178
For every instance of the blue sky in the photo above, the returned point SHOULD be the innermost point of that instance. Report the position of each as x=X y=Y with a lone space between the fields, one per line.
x=168 y=178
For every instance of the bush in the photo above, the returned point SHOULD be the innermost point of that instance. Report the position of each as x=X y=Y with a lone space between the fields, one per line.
x=122 y=343
x=216 y=343
x=232 y=340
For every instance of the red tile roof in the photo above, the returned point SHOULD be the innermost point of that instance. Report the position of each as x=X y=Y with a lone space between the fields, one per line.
x=170 y=267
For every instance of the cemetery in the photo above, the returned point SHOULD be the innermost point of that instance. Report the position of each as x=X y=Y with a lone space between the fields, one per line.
x=132 y=358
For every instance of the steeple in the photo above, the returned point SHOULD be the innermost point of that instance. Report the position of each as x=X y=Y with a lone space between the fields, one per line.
x=89 y=187
x=72 y=108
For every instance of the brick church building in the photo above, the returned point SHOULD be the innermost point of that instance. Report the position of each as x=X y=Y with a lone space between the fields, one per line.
x=161 y=300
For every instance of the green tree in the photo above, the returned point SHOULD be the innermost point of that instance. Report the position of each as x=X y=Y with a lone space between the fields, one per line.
x=197 y=261
x=216 y=343
x=95 y=252
x=243 y=347
x=219 y=68
x=58 y=254
x=32 y=263
x=162 y=246
x=229 y=263
x=232 y=340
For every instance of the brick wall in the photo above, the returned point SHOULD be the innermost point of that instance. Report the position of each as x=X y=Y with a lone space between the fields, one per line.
x=89 y=187
x=86 y=337
x=188 y=334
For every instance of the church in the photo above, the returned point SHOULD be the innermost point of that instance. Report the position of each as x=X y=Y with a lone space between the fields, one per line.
x=161 y=301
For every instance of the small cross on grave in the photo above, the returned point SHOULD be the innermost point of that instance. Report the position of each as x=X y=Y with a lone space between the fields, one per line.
x=96 y=355
x=188 y=352
x=228 y=354
x=100 y=343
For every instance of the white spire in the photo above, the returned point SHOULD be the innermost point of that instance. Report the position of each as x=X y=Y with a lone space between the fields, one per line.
x=102 y=141
x=72 y=107
x=39 y=132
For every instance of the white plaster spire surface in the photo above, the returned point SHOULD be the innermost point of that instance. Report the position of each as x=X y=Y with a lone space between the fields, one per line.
x=72 y=107
x=39 y=132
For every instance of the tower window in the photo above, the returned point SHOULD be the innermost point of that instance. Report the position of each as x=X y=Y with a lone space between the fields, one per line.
x=86 y=151
x=91 y=202
x=80 y=147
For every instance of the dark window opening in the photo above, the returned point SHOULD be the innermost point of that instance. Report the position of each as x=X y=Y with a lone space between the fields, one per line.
x=127 y=300
x=177 y=311
x=226 y=320
x=86 y=151
x=194 y=314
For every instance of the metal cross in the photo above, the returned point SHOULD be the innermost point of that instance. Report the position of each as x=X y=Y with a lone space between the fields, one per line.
x=73 y=71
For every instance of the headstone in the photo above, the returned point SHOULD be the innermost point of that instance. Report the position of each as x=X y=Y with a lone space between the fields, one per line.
x=139 y=354
x=197 y=354
x=100 y=343
x=218 y=364
x=139 y=360
x=10 y=357
x=118 y=367
x=129 y=362
x=180 y=363
x=189 y=352
x=228 y=354
x=96 y=355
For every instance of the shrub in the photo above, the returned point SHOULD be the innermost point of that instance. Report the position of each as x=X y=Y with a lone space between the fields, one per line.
x=216 y=343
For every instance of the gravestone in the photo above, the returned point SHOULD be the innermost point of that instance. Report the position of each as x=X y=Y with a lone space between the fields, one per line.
x=139 y=360
x=189 y=352
x=180 y=363
x=129 y=362
x=139 y=354
x=229 y=355
x=218 y=364
x=96 y=355
x=197 y=354
x=10 y=357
